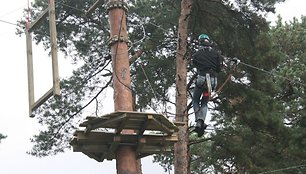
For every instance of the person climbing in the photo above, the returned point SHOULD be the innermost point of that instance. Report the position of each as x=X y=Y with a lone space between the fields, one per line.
x=207 y=61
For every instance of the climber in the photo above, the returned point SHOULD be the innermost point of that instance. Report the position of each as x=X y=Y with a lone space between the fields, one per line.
x=207 y=61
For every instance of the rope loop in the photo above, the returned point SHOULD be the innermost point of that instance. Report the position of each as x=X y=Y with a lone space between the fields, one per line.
x=115 y=38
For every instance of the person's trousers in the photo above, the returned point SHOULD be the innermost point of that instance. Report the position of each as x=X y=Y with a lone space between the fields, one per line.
x=200 y=104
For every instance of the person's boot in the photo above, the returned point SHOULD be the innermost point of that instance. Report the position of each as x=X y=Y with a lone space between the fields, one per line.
x=199 y=128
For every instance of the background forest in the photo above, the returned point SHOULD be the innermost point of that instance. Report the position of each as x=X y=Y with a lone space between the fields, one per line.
x=258 y=120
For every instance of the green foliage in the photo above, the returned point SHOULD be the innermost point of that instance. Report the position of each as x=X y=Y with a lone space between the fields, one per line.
x=166 y=161
x=84 y=40
x=61 y=115
x=2 y=137
x=266 y=131
x=262 y=132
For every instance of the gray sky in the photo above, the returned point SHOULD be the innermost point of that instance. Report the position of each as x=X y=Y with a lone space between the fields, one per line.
x=14 y=120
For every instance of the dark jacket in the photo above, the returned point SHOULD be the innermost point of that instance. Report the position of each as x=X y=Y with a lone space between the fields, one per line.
x=207 y=60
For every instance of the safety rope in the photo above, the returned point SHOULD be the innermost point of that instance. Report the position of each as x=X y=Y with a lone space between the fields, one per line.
x=150 y=85
x=221 y=87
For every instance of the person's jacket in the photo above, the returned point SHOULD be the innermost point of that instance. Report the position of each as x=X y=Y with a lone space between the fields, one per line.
x=207 y=60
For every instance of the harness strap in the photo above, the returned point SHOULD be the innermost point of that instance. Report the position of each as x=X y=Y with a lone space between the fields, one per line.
x=208 y=82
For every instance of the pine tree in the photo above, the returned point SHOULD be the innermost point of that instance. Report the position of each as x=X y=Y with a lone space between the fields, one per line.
x=2 y=137
x=250 y=134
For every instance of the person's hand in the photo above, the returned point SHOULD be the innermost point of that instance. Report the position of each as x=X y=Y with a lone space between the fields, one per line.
x=236 y=60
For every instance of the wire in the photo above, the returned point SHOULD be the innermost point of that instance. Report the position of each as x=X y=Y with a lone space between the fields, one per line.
x=8 y=22
x=283 y=169
x=272 y=74
x=77 y=112
x=152 y=90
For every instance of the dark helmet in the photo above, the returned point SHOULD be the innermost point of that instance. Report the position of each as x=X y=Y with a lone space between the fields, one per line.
x=204 y=40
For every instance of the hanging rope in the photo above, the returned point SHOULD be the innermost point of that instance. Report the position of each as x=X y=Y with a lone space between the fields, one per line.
x=152 y=90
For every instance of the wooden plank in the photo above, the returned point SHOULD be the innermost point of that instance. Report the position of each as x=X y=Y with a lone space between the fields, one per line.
x=113 y=148
x=165 y=121
x=90 y=148
x=39 y=19
x=95 y=156
x=162 y=127
x=147 y=121
x=53 y=40
x=156 y=149
x=102 y=136
x=30 y=72
x=103 y=145
x=107 y=138
x=135 y=122
x=153 y=150
x=106 y=123
x=160 y=117
x=140 y=145
x=91 y=120
x=88 y=129
x=180 y=123
x=43 y=99
x=121 y=125
x=160 y=139
x=115 y=144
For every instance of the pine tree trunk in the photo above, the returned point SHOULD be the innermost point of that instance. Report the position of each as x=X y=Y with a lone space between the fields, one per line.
x=181 y=157
x=126 y=161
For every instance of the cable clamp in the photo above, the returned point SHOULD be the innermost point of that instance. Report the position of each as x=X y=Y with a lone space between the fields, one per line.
x=116 y=4
x=111 y=41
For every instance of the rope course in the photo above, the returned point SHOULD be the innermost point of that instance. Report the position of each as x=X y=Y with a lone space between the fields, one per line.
x=151 y=88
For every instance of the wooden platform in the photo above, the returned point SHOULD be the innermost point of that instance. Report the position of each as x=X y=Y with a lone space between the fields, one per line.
x=101 y=137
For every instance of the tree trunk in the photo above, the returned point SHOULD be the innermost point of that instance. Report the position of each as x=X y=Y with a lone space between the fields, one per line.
x=181 y=156
x=126 y=161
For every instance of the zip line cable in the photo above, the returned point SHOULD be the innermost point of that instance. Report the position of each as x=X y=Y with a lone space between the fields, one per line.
x=8 y=22
x=284 y=169
x=272 y=74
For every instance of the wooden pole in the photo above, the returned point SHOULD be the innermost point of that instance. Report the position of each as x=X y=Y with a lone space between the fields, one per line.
x=126 y=161
x=30 y=70
x=181 y=157
x=53 y=40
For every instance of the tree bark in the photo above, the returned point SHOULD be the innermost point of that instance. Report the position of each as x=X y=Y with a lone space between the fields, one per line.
x=126 y=162
x=181 y=156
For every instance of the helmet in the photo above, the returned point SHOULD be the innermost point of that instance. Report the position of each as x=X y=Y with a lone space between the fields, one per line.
x=204 y=40
x=203 y=36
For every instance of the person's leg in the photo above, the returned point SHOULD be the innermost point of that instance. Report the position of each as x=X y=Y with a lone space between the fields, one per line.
x=197 y=93
x=203 y=108
x=199 y=88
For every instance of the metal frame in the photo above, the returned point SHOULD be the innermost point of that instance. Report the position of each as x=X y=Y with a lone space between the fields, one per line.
x=55 y=90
